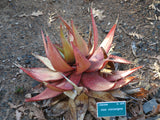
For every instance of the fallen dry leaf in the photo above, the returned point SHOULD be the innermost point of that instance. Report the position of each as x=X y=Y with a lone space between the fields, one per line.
x=136 y=109
x=82 y=105
x=88 y=117
x=14 y=106
x=134 y=34
x=73 y=110
x=104 y=96
x=33 y=14
x=36 y=14
x=98 y=13
x=156 y=70
x=141 y=94
x=134 y=48
x=92 y=107
x=58 y=109
x=67 y=116
x=36 y=113
x=119 y=94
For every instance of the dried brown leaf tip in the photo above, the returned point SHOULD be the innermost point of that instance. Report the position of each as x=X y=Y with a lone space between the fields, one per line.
x=78 y=71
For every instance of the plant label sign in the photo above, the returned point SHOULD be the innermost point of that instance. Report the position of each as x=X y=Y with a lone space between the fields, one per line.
x=108 y=109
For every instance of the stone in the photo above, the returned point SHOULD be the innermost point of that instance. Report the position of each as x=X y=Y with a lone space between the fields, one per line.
x=148 y=106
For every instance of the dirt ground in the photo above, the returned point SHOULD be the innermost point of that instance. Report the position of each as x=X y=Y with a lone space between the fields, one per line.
x=136 y=38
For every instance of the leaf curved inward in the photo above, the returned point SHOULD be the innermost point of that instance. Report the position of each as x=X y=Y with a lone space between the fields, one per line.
x=57 y=61
x=82 y=63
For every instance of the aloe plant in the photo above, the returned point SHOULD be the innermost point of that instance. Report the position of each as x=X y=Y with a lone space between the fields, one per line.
x=75 y=63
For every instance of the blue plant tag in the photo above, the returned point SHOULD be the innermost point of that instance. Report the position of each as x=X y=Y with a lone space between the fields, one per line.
x=108 y=109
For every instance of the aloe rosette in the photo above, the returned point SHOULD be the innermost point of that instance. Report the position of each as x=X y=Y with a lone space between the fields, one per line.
x=88 y=67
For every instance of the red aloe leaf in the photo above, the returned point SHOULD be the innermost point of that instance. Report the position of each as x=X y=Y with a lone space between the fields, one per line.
x=121 y=74
x=64 y=85
x=59 y=48
x=68 y=51
x=46 y=94
x=95 y=35
x=90 y=38
x=66 y=24
x=43 y=74
x=61 y=86
x=95 y=82
x=44 y=42
x=54 y=87
x=49 y=93
x=123 y=82
x=74 y=78
x=57 y=61
x=118 y=59
x=97 y=61
x=106 y=44
x=97 y=55
x=97 y=65
x=82 y=63
x=45 y=61
x=79 y=42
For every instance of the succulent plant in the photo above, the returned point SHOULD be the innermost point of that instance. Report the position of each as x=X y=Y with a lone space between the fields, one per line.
x=77 y=63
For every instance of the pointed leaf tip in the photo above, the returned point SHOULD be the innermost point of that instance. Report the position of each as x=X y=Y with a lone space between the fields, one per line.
x=118 y=59
x=44 y=42
x=46 y=94
x=66 y=24
x=45 y=61
x=79 y=42
x=121 y=74
x=123 y=82
x=68 y=51
x=43 y=74
x=95 y=35
x=117 y=19
x=106 y=44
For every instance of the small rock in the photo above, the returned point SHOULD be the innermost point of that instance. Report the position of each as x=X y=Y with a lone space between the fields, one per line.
x=35 y=83
x=3 y=61
x=18 y=59
x=20 y=71
x=27 y=61
x=148 y=106
x=1 y=67
x=28 y=95
x=13 y=79
x=12 y=66
x=10 y=100
x=158 y=26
